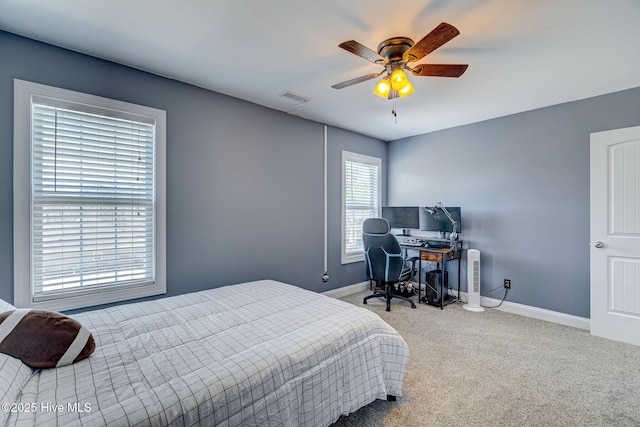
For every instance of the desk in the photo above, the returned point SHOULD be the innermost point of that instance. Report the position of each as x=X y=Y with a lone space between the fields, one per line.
x=440 y=256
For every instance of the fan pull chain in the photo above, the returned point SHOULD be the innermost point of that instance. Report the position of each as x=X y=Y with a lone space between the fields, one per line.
x=395 y=112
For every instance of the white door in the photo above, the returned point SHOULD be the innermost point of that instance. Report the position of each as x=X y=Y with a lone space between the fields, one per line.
x=615 y=234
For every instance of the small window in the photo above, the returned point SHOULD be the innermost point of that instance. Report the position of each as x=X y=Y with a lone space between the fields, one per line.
x=89 y=203
x=361 y=190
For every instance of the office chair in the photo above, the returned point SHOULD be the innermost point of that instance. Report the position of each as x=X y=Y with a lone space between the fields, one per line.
x=384 y=261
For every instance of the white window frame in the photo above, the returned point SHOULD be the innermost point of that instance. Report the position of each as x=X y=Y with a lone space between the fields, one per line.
x=24 y=93
x=348 y=258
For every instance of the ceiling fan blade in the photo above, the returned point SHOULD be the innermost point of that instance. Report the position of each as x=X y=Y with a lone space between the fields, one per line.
x=362 y=51
x=436 y=38
x=440 y=70
x=357 y=80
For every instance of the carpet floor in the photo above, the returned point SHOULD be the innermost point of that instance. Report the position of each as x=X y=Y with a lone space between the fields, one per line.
x=500 y=369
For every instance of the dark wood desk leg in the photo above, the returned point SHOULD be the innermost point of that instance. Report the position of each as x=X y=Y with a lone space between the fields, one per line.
x=442 y=282
x=420 y=280
x=459 y=262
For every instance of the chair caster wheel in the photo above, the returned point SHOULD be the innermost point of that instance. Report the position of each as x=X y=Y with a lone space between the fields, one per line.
x=413 y=306
x=388 y=309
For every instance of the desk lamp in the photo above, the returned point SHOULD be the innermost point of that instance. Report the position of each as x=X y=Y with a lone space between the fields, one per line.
x=454 y=235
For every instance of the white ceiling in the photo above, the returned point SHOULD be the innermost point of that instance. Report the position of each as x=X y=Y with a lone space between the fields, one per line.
x=522 y=54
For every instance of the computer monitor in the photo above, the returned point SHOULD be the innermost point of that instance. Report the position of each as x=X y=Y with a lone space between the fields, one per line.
x=438 y=221
x=404 y=217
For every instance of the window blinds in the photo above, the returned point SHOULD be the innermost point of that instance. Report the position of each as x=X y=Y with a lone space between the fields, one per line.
x=93 y=199
x=361 y=201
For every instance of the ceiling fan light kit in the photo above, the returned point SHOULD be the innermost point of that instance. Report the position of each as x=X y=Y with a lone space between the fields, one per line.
x=395 y=53
x=399 y=79
x=406 y=90
x=383 y=87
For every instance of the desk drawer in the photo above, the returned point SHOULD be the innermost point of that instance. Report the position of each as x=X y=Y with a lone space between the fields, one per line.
x=430 y=256
x=439 y=256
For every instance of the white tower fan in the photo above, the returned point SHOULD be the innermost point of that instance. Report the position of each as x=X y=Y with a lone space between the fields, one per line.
x=473 y=281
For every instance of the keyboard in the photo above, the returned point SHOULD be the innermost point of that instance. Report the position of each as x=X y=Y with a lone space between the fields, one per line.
x=412 y=243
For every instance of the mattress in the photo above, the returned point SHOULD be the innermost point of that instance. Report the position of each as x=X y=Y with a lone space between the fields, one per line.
x=262 y=353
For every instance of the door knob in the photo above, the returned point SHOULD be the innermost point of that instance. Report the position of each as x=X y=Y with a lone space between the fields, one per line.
x=599 y=245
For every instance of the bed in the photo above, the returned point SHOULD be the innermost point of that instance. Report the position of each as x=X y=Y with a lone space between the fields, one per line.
x=251 y=354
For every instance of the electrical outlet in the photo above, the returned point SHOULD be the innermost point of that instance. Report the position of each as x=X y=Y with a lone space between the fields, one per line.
x=507 y=283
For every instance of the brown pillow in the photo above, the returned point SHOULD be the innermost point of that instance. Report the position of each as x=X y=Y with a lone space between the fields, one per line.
x=44 y=339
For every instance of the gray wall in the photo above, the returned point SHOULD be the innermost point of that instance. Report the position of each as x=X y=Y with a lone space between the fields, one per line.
x=244 y=183
x=522 y=182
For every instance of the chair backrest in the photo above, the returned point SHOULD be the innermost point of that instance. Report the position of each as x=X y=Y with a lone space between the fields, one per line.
x=383 y=254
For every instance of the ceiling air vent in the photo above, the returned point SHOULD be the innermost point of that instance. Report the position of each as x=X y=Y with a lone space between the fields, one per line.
x=300 y=99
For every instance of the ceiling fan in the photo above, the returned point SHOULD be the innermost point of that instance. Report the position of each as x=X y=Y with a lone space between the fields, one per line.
x=396 y=53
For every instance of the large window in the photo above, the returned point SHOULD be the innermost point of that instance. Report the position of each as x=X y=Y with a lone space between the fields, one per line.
x=361 y=190
x=89 y=205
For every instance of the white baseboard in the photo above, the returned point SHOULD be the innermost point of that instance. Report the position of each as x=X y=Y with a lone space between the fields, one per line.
x=347 y=290
x=537 y=313
x=509 y=307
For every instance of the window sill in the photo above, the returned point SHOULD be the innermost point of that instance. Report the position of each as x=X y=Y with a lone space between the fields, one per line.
x=93 y=298
x=352 y=258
